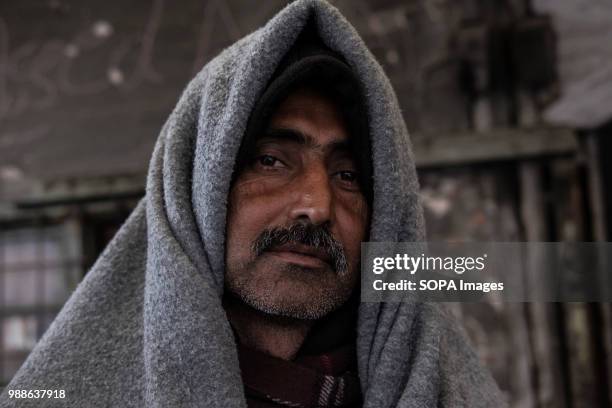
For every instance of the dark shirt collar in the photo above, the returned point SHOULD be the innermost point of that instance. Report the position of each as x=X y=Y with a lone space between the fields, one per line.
x=323 y=380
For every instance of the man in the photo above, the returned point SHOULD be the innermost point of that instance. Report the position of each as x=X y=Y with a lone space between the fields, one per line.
x=298 y=212
x=235 y=280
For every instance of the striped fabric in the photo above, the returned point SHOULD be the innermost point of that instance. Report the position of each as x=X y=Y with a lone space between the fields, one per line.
x=325 y=380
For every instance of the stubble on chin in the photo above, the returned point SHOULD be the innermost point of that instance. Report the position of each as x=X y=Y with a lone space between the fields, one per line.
x=290 y=291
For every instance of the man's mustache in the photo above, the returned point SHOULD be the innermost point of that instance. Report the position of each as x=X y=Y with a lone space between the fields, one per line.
x=316 y=236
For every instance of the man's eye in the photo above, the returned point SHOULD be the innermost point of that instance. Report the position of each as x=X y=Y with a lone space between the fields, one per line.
x=268 y=161
x=349 y=177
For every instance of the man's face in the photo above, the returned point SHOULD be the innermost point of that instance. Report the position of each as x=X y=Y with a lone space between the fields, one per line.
x=296 y=214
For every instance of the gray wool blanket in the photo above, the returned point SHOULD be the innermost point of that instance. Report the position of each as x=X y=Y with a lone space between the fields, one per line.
x=146 y=326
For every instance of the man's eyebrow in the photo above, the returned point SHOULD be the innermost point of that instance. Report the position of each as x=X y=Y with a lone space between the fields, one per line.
x=288 y=135
x=295 y=136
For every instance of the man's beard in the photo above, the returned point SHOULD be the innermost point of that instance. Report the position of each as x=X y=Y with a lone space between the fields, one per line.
x=323 y=298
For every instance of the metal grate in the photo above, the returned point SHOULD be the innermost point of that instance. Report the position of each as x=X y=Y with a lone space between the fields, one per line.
x=40 y=265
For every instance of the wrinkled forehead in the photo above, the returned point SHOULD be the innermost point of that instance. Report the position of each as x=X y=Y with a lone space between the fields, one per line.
x=306 y=101
x=310 y=119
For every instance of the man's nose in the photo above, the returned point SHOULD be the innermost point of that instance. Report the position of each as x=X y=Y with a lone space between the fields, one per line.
x=313 y=196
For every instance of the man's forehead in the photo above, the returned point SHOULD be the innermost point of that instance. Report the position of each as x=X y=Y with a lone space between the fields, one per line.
x=305 y=99
x=309 y=119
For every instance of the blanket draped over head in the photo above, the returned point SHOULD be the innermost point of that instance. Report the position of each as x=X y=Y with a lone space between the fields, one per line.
x=146 y=326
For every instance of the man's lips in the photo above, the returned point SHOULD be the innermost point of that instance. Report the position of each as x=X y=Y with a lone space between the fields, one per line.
x=304 y=255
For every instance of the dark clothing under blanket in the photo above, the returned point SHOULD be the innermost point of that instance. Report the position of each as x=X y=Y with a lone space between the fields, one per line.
x=324 y=380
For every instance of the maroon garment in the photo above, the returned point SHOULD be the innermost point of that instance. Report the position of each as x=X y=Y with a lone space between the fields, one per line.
x=324 y=380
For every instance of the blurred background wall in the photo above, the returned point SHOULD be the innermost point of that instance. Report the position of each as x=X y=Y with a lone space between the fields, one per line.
x=509 y=103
